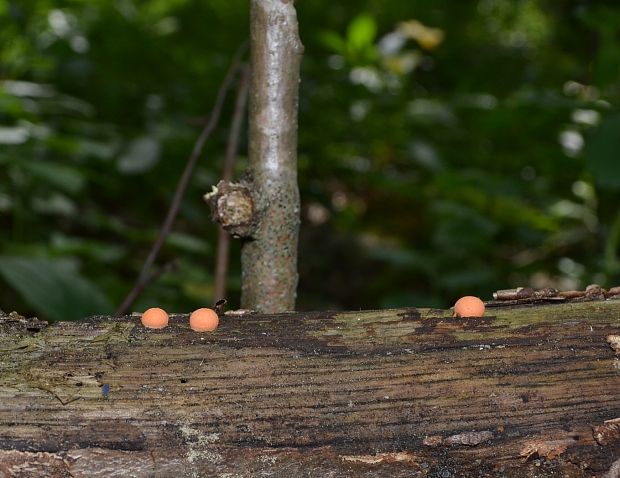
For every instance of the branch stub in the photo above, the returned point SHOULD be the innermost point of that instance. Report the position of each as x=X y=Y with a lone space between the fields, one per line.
x=232 y=208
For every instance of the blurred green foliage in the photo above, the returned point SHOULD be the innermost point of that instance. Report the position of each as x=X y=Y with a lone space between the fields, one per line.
x=445 y=148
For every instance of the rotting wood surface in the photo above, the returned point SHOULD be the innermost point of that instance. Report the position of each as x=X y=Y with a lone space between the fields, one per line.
x=523 y=392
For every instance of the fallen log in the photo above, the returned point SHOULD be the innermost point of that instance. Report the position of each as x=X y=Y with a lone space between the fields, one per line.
x=525 y=391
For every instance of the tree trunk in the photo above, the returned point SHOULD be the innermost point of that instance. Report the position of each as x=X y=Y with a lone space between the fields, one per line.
x=269 y=257
x=526 y=391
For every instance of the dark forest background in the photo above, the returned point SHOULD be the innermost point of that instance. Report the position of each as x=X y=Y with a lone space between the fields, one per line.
x=445 y=148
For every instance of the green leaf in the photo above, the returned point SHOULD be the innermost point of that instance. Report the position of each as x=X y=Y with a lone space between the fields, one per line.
x=141 y=155
x=53 y=288
x=102 y=251
x=602 y=152
x=27 y=89
x=63 y=177
x=96 y=149
x=54 y=204
x=333 y=41
x=361 y=32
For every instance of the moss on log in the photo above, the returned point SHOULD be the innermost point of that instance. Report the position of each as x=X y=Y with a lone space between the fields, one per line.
x=524 y=391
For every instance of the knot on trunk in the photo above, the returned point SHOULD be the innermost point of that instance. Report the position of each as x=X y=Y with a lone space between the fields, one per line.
x=232 y=208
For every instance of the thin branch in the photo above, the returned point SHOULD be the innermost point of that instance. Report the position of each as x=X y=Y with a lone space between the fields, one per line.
x=153 y=275
x=145 y=274
x=269 y=260
x=223 y=238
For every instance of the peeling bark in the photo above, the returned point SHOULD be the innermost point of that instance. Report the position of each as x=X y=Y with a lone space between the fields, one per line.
x=269 y=257
x=524 y=391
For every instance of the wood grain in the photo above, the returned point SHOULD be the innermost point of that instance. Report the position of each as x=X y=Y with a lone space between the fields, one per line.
x=523 y=391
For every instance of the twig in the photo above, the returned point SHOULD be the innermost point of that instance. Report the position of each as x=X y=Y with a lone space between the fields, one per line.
x=223 y=238
x=145 y=276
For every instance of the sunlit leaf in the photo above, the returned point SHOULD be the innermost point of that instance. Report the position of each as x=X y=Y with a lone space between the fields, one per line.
x=433 y=111
x=426 y=155
x=53 y=288
x=361 y=32
x=54 y=204
x=97 y=149
x=27 y=88
x=140 y=156
x=428 y=38
x=75 y=105
x=403 y=63
x=13 y=135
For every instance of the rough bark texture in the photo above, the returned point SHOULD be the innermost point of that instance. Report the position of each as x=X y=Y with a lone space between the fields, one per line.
x=269 y=257
x=523 y=392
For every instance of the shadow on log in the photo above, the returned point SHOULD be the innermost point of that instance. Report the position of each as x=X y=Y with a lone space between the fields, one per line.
x=524 y=391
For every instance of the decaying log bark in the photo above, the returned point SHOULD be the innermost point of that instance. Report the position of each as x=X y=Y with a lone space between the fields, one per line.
x=525 y=391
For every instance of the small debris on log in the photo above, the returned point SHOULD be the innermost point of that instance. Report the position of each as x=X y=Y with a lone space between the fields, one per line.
x=513 y=294
x=606 y=433
x=527 y=295
x=613 y=291
x=469 y=438
x=550 y=449
x=433 y=440
x=595 y=291
x=401 y=456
